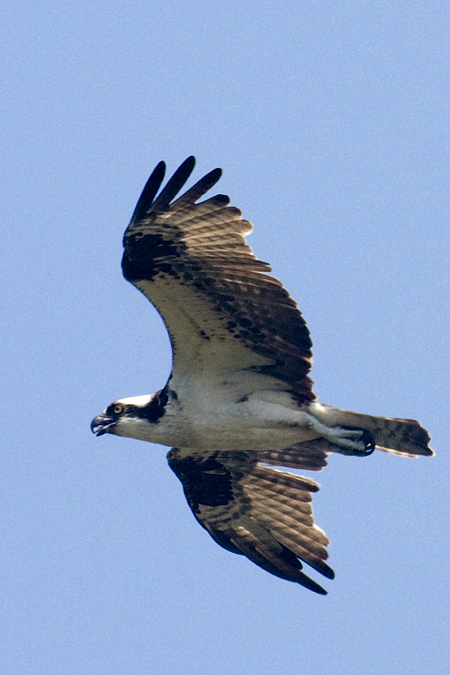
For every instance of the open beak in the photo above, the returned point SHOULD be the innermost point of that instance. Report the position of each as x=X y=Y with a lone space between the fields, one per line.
x=102 y=424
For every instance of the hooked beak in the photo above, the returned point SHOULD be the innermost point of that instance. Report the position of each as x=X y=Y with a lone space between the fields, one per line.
x=102 y=424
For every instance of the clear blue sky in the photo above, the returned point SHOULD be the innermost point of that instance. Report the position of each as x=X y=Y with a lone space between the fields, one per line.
x=331 y=121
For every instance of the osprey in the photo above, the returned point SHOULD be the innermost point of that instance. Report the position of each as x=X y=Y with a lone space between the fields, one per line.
x=239 y=400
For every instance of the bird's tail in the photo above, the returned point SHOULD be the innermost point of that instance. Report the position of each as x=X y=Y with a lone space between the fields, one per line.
x=397 y=436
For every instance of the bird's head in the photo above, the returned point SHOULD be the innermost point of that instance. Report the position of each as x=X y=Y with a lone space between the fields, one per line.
x=125 y=416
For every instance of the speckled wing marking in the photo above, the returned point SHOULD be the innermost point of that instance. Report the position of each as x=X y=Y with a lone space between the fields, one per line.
x=252 y=509
x=191 y=261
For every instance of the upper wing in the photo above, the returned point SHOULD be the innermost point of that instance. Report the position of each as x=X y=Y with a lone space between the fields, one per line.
x=221 y=308
x=260 y=512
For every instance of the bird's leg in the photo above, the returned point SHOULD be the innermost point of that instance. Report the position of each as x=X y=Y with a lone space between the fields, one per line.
x=348 y=440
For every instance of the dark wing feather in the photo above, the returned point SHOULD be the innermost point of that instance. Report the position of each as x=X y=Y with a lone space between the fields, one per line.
x=260 y=512
x=192 y=263
x=149 y=192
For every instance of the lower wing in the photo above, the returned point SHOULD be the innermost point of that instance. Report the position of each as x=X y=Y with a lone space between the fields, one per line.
x=253 y=509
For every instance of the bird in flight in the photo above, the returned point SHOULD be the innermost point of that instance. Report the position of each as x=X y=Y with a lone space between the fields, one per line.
x=239 y=400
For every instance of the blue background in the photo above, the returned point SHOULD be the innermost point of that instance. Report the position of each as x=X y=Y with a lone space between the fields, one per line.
x=331 y=122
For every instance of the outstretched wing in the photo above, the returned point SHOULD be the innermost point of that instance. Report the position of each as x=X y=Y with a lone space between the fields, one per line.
x=221 y=308
x=252 y=509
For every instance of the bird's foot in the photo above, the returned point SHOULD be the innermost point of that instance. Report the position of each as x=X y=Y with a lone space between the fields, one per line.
x=352 y=441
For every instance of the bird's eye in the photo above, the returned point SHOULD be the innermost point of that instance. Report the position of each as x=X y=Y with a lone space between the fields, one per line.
x=118 y=409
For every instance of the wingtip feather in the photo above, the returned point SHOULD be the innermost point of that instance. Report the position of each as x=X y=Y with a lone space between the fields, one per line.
x=148 y=194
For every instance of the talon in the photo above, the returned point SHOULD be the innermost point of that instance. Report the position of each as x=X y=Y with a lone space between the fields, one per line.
x=366 y=438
